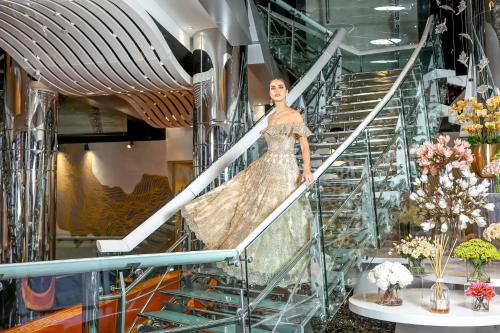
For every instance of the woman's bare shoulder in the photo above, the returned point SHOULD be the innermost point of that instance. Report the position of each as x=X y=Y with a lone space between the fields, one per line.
x=294 y=116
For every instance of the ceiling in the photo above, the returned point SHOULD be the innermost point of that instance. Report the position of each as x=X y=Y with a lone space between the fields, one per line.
x=364 y=23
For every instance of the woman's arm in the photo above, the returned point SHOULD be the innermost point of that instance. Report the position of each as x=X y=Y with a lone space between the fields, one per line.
x=306 y=158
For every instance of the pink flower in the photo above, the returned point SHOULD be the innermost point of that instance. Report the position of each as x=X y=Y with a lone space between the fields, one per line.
x=432 y=157
x=480 y=289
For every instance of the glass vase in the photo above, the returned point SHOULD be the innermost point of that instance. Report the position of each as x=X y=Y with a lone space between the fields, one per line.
x=390 y=297
x=416 y=267
x=440 y=297
x=480 y=304
x=477 y=272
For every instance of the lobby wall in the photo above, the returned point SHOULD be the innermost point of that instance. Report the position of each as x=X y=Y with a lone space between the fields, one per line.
x=109 y=189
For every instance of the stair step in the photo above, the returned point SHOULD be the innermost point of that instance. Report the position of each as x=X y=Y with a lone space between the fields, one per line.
x=228 y=299
x=186 y=319
x=368 y=81
x=372 y=74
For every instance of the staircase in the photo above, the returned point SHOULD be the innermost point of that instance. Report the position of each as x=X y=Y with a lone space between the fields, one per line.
x=356 y=201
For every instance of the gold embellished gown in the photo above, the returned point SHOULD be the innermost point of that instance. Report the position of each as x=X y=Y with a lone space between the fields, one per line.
x=225 y=216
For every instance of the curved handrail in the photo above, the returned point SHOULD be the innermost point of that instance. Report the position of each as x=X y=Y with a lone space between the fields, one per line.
x=350 y=139
x=140 y=233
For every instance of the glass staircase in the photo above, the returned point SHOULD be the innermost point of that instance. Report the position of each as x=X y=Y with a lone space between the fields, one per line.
x=366 y=126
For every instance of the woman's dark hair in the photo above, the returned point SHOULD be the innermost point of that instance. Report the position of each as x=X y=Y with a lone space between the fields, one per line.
x=278 y=78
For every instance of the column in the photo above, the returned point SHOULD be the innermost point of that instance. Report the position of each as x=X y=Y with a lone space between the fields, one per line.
x=28 y=146
x=217 y=86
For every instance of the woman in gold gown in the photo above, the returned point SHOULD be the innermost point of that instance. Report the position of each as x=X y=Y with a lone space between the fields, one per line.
x=225 y=216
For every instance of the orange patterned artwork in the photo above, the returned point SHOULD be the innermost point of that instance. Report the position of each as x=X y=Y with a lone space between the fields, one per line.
x=87 y=207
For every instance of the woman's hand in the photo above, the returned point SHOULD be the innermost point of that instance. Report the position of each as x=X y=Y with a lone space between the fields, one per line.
x=307 y=177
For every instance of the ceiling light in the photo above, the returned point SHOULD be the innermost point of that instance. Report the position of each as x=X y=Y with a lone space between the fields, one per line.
x=190 y=28
x=383 y=61
x=387 y=8
x=130 y=144
x=391 y=41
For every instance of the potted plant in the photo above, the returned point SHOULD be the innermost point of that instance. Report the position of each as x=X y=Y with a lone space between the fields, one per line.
x=482 y=125
x=481 y=294
x=390 y=278
x=478 y=253
x=492 y=170
x=415 y=249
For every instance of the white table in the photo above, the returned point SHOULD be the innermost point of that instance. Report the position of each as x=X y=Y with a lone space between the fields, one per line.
x=414 y=315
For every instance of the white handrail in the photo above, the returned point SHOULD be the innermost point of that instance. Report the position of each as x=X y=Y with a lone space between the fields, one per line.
x=140 y=233
x=361 y=127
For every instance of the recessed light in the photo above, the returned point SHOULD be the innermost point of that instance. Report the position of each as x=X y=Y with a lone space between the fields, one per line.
x=189 y=28
x=388 y=8
x=390 y=41
x=383 y=61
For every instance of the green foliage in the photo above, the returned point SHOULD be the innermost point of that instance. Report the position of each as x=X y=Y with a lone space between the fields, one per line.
x=477 y=251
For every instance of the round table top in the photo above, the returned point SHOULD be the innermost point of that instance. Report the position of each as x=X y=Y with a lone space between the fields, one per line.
x=415 y=310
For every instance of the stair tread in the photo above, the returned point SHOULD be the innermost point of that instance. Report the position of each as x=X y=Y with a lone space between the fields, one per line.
x=186 y=319
x=222 y=298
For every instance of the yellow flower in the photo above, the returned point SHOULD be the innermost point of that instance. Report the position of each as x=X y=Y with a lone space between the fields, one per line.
x=477 y=105
x=490 y=125
x=461 y=104
x=461 y=118
x=481 y=112
x=491 y=102
x=453 y=110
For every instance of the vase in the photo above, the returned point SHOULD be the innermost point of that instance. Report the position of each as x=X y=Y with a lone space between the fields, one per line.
x=483 y=155
x=390 y=297
x=416 y=267
x=480 y=304
x=477 y=272
x=440 y=297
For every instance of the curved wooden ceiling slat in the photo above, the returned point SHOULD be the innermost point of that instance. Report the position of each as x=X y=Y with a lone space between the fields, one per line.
x=96 y=47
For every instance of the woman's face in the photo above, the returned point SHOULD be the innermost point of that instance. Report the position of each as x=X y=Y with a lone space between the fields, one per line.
x=277 y=90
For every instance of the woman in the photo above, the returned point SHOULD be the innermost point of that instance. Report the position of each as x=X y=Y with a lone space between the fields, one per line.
x=225 y=216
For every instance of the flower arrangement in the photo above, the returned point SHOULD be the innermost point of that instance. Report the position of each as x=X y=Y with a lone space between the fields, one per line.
x=480 y=289
x=482 y=294
x=390 y=277
x=481 y=123
x=453 y=200
x=414 y=247
x=433 y=157
x=492 y=232
x=476 y=250
x=390 y=273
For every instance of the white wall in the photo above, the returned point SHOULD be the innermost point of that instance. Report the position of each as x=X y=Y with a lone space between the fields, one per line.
x=115 y=165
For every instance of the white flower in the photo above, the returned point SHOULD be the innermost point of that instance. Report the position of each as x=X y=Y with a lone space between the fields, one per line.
x=474 y=191
x=489 y=206
x=420 y=193
x=457 y=208
x=424 y=178
x=413 y=197
x=390 y=273
x=480 y=221
x=463 y=183
x=476 y=212
x=426 y=226
x=463 y=218
x=442 y=204
x=429 y=205
x=444 y=227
